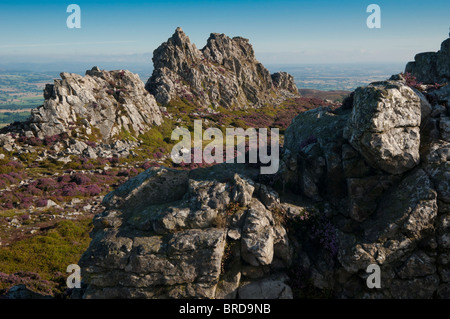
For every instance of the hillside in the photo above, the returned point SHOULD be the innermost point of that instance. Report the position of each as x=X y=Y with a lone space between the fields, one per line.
x=360 y=182
x=92 y=134
x=364 y=185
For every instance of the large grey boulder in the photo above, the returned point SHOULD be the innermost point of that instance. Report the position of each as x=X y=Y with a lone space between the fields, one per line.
x=258 y=235
x=312 y=161
x=102 y=103
x=384 y=125
x=179 y=234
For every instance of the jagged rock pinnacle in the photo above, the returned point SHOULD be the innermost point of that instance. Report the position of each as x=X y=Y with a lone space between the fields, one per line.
x=224 y=73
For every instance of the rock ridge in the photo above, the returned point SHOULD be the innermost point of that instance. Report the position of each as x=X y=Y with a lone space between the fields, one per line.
x=431 y=67
x=224 y=73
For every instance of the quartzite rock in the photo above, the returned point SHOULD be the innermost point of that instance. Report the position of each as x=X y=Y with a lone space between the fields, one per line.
x=164 y=235
x=110 y=101
x=223 y=73
x=389 y=151
x=384 y=126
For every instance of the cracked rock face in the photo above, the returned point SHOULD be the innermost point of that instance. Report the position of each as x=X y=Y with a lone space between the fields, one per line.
x=223 y=73
x=384 y=126
x=107 y=101
x=391 y=157
x=187 y=242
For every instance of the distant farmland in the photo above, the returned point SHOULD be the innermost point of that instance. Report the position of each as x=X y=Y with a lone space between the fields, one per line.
x=10 y=116
x=333 y=95
x=22 y=90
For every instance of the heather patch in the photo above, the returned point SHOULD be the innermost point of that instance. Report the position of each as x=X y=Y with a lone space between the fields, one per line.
x=40 y=262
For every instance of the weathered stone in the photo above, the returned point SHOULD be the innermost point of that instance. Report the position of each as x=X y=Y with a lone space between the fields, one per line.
x=364 y=194
x=410 y=209
x=444 y=273
x=207 y=193
x=22 y=292
x=159 y=231
x=417 y=265
x=354 y=166
x=271 y=288
x=242 y=190
x=443 y=291
x=109 y=101
x=432 y=67
x=351 y=255
x=268 y=196
x=227 y=287
x=444 y=126
x=158 y=263
x=224 y=73
x=285 y=81
x=384 y=126
x=442 y=95
x=257 y=235
x=417 y=288
x=154 y=186
x=315 y=136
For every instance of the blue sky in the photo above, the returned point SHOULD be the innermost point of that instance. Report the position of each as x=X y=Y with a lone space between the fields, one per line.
x=282 y=32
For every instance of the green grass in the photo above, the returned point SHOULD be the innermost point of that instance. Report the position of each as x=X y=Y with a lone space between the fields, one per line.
x=8 y=213
x=49 y=254
x=126 y=135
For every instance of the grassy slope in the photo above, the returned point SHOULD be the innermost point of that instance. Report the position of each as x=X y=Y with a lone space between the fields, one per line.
x=40 y=261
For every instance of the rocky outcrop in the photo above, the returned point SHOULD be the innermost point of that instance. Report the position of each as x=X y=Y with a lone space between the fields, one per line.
x=22 y=292
x=382 y=167
x=179 y=234
x=362 y=185
x=284 y=81
x=365 y=184
x=224 y=73
x=86 y=116
x=432 y=67
x=102 y=102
